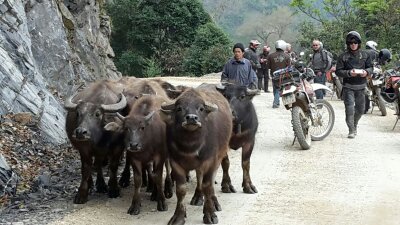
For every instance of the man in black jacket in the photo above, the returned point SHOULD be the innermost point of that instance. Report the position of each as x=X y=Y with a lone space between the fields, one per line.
x=354 y=66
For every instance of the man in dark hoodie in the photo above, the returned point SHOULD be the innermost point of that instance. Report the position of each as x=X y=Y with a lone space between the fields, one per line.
x=354 y=66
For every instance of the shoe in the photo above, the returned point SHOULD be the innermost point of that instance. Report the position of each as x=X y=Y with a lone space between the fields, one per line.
x=275 y=106
x=351 y=135
x=267 y=91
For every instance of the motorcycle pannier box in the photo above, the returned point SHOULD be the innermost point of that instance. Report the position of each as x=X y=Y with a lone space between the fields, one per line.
x=286 y=76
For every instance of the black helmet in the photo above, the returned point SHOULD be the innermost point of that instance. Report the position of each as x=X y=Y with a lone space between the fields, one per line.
x=388 y=94
x=300 y=65
x=384 y=56
x=353 y=35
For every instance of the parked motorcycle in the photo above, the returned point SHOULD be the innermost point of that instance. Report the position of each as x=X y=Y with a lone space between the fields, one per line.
x=374 y=85
x=390 y=91
x=336 y=82
x=312 y=119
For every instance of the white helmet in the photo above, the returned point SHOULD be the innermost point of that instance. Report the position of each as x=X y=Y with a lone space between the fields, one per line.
x=280 y=44
x=372 y=44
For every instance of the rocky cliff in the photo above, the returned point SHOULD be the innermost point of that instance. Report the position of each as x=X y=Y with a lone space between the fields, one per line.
x=47 y=48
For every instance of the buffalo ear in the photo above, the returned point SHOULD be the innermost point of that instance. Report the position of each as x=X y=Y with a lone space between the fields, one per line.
x=114 y=127
x=251 y=93
x=210 y=107
x=220 y=88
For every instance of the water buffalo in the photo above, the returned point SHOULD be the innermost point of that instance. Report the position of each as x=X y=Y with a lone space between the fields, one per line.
x=245 y=124
x=133 y=91
x=145 y=141
x=85 y=120
x=199 y=126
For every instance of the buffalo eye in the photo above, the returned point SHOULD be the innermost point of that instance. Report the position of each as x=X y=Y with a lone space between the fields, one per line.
x=141 y=128
x=179 y=109
x=97 y=114
x=242 y=97
x=201 y=108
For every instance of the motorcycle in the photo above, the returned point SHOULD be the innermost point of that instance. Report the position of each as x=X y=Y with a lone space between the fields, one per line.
x=336 y=82
x=374 y=85
x=390 y=90
x=312 y=119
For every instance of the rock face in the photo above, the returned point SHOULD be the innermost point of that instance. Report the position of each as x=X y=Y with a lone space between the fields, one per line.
x=47 y=48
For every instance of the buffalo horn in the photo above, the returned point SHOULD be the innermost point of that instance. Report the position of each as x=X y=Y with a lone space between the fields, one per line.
x=168 y=107
x=69 y=105
x=115 y=107
x=251 y=91
x=149 y=116
x=210 y=107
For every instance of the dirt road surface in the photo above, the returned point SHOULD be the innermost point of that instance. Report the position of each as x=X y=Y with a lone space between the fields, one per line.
x=337 y=181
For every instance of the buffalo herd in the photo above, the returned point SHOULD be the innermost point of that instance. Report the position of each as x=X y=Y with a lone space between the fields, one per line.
x=164 y=132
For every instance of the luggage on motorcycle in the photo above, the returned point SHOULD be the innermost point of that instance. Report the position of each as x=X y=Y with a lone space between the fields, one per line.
x=286 y=76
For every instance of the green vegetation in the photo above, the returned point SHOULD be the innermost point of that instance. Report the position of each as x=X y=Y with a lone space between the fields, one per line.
x=157 y=37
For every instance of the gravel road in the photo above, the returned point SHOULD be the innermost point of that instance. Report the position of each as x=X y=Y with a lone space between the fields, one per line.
x=337 y=181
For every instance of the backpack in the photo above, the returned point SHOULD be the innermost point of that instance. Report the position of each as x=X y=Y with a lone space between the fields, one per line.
x=327 y=57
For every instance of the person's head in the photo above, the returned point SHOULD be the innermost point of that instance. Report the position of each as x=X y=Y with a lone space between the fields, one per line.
x=371 y=45
x=238 y=51
x=280 y=45
x=288 y=47
x=353 y=41
x=254 y=44
x=384 y=56
x=266 y=49
x=316 y=45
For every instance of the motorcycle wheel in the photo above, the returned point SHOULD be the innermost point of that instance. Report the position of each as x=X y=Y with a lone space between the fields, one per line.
x=380 y=102
x=338 y=88
x=325 y=120
x=301 y=127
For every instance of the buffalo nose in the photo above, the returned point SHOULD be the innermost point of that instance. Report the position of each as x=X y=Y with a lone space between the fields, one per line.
x=81 y=132
x=192 y=117
x=134 y=146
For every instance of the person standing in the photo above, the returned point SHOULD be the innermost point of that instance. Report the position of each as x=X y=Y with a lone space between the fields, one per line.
x=275 y=61
x=320 y=63
x=291 y=53
x=370 y=47
x=250 y=53
x=354 y=66
x=262 y=73
x=239 y=70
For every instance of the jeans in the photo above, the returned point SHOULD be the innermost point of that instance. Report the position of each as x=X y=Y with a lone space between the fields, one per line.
x=321 y=79
x=354 y=102
x=276 y=94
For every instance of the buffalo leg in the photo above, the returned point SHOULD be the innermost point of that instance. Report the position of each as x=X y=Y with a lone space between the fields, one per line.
x=226 y=184
x=126 y=174
x=134 y=209
x=113 y=190
x=158 y=180
x=209 y=204
x=180 y=179
x=147 y=175
x=247 y=185
x=168 y=192
x=86 y=169
x=198 y=198
x=101 y=186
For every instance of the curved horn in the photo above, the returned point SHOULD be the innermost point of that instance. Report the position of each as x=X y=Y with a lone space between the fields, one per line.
x=210 y=107
x=149 y=116
x=168 y=106
x=115 y=107
x=220 y=87
x=68 y=104
x=121 y=117
x=251 y=91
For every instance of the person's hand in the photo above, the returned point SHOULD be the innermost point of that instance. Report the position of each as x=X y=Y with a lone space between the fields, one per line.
x=364 y=74
x=319 y=73
x=333 y=68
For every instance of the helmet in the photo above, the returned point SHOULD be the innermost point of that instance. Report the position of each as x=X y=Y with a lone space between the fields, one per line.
x=255 y=42
x=384 y=56
x=353 y=35
x=280 y=44
x=388 y=94
x=371 y=44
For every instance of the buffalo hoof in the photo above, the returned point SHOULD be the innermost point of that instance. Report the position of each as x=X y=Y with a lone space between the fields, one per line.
x=101 y=187
x=227 y=188
x=80 y=199
x=113 y=193
x=216 y=204
x=249 y=189
x=210 y=218
x=134 y=209
x=124 y=181
x=162 y=205
x=197 y=200
x=177 y=219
